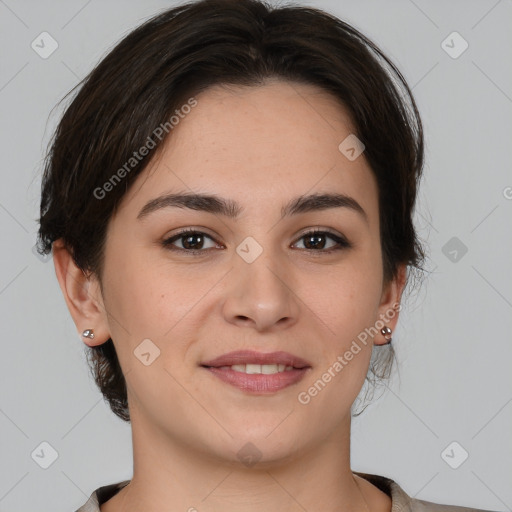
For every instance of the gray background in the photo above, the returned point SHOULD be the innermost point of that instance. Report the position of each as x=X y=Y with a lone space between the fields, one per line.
x=454 y=338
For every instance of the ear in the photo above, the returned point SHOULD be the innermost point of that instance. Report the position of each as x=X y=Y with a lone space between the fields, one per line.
x=389 y=306
x=82 y=294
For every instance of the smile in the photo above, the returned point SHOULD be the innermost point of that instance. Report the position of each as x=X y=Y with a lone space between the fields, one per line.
x=266 y=369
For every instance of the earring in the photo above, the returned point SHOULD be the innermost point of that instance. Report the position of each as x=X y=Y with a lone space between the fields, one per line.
x=88 y=333
x=386 y=332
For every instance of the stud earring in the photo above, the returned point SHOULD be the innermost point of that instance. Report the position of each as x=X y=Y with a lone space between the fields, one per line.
x=88 y=333
x=386 y=332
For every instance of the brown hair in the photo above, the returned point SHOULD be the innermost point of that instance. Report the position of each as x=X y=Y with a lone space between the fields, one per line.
x=183 y=51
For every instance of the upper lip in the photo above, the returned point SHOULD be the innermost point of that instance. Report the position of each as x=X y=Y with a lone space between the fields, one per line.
x=253 y=357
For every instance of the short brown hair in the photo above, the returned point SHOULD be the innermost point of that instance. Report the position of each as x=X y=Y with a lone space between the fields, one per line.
x=183 y=51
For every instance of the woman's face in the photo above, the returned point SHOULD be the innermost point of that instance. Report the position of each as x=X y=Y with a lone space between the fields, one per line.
x=256 y=281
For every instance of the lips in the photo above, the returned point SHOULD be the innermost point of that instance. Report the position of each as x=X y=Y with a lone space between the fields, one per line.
x=258 y=372
x=241 y=357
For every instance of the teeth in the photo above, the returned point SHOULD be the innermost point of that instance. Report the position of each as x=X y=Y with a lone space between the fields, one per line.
x=266 y=369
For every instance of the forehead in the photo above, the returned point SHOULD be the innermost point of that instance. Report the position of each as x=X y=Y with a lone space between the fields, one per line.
x=268 y=142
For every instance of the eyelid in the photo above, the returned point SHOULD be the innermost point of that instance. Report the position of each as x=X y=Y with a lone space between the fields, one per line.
x=190 y=229
x=329 y=231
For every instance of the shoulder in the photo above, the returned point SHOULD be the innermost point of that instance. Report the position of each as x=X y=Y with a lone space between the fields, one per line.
x=402 y=502
x=101 y=495
x=427 y=506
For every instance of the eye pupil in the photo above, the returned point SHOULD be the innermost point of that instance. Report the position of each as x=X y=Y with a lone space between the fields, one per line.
x=190 y=245
x=314 y=244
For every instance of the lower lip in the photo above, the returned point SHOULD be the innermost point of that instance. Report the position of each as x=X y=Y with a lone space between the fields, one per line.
x=258 y=382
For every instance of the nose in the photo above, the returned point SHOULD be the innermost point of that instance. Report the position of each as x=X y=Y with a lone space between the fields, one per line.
x=261 y=294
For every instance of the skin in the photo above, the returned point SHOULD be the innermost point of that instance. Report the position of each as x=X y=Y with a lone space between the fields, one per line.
x=260 y=146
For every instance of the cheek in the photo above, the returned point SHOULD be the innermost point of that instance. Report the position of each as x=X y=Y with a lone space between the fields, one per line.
x=347 y=297
x=155 y=300
x=144 y=301
x=348 y=308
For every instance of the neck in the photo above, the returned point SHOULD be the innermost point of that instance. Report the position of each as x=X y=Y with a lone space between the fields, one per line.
x=170 y=476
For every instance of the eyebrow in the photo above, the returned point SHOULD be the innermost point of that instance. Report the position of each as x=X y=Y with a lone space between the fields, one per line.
x=216 y=205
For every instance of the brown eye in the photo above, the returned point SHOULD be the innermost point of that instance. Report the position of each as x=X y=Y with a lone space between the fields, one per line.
x=190 y=241
x=317 y=241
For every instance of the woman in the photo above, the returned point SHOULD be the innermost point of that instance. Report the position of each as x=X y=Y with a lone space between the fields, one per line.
x=229 y=203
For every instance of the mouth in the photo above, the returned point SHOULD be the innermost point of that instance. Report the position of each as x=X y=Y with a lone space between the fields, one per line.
x=258 y=372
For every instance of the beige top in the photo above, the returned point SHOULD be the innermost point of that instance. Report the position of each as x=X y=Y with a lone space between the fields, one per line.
x=400 y=501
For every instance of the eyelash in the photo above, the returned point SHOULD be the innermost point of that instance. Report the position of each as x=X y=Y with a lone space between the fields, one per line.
x=168 y=243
